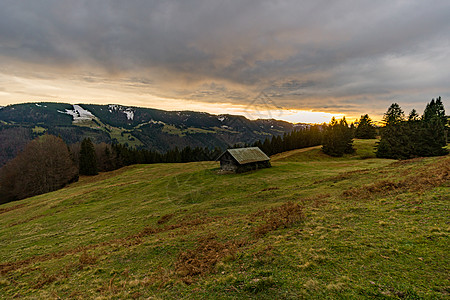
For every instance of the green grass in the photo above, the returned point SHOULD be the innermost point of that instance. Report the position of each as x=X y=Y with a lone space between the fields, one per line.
x=39 y=130
x=116 y=133
x=135 y=232
x=170 y=129
x=123 y=137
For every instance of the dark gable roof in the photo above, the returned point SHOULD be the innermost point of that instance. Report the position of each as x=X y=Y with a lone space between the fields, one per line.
x=247 y=155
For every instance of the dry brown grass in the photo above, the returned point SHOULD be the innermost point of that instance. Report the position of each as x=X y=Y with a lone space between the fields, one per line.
x=26 y=220
x=283 y=216
x=433 y=175
x=270 y=189
x=44 y=280
x=87 y=259
x=342 y=176
x=405 y=162
x=135 y=239
x=5 y=210
x=165 y=219
x=203 y=258
x=316 y=200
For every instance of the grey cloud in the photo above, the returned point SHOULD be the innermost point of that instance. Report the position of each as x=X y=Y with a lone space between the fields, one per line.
x=296 y=51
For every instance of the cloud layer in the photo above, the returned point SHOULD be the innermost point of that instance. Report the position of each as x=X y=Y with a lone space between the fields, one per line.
x=347 y=57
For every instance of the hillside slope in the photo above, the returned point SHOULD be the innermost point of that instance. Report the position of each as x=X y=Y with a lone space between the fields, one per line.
x=309 y=227
x=135 y=126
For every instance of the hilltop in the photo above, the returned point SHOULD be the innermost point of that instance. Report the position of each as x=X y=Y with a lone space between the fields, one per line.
x=139 y=127
x=309 y=227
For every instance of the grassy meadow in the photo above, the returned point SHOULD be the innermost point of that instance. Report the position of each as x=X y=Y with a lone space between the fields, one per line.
x=310 y=227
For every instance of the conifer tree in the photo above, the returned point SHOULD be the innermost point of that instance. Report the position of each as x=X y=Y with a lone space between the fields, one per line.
x=337 y=138
x=413 y=115
x=394 y=115
x=365 y=129
x=433 y=135
x=394 y=139
x=88 y=160
x=347 y=136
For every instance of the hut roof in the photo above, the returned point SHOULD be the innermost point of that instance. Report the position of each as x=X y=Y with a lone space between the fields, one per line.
x=247 y=155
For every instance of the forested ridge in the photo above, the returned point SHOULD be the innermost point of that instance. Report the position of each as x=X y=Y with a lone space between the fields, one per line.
x=47 y=163
x=135 y=127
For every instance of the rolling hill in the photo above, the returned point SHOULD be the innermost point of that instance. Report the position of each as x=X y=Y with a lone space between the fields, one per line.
x=310 y=227
x=134 y=126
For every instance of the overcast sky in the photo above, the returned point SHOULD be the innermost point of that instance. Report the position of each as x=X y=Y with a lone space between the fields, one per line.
x=336 y=57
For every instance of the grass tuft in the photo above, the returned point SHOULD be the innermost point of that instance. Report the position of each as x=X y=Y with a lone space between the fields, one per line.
x=283 y=216
x=165 y=219
x=203 y=258
x=88 y=259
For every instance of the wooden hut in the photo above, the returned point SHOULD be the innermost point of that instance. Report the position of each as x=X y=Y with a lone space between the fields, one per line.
x=243 y=159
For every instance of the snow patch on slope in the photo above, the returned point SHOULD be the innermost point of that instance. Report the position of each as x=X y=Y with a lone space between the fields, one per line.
x=128 y=111
x=78 y=113
x=112 y=107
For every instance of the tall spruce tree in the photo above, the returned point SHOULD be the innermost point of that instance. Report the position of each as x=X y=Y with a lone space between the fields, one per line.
x=394 y=138
x=413 y=116
x=435 y=109
x=365 y=129
x=88 y=159
x=337 y=138
x=433 y=134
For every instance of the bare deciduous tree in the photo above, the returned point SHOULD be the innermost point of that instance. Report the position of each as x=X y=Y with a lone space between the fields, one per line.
x=44 y=165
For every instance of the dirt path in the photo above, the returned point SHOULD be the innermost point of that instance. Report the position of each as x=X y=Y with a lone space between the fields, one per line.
x=292 y=152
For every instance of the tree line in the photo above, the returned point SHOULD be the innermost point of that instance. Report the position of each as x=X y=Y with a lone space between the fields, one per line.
x=414 y=136
x=93 y=158
x=47 y=163
x=296 y=139
x=400 y=138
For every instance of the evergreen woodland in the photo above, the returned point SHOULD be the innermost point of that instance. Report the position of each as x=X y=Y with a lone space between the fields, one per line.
x=337 y=138
x=415 y=136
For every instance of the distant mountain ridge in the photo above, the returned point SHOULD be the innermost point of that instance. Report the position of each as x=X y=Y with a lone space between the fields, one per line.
x=135 y=126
